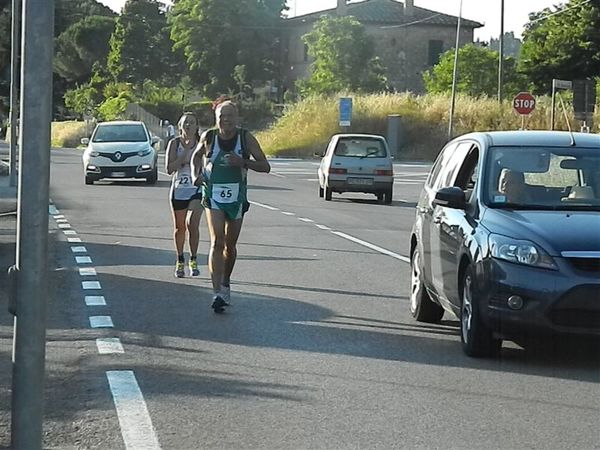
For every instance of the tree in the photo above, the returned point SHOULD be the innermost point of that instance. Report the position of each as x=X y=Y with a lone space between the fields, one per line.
x=140 y=48
x=80 y=46
x=216 y=36
x=564 y=45
x=343 y=58
x=69 y=12
x=477 y=73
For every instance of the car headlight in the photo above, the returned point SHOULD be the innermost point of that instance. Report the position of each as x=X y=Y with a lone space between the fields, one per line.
x=144 y=152
x=520 y=252
x=94 y=153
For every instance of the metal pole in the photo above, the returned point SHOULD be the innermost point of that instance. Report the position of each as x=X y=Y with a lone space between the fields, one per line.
x=501 y=54
x=32 y=224
x=455 y=74
x=553 y=105
x=14 y=90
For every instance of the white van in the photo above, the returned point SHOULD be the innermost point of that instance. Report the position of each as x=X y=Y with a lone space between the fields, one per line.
x=120 y=149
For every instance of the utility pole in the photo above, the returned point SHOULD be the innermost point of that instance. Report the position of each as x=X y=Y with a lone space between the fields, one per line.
x=13 y=117
x=29 y=345
x=455 y=74
x=501 y=54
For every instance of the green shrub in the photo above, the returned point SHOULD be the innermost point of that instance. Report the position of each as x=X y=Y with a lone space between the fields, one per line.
x=203 y=111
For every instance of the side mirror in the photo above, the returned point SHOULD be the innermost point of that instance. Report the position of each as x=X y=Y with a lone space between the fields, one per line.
x=154 y=140
x=319 y=154
x=450 y=197
x=85 y=141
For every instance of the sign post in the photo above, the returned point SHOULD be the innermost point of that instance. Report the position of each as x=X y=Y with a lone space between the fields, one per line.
x=345 y=112
x=524 y=105
x=557 y=84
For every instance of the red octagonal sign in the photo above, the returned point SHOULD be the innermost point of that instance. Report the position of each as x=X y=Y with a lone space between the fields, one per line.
x=524 y=103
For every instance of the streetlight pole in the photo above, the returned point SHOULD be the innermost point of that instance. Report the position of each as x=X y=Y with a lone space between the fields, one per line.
x=14 y=90
x=455 y=73
x=501 y=54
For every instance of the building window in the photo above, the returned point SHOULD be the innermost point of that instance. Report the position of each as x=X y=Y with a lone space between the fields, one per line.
x=435 y=50
x=305 y=52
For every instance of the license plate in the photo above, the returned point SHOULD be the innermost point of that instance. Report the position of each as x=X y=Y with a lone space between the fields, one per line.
x=118 y=174
x=361 y=181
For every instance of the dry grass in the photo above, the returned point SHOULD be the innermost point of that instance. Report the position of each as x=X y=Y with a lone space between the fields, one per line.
x=68 y=134
x=307 y=126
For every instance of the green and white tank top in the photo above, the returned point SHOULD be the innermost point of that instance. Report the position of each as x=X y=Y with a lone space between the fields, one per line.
x=224 y=186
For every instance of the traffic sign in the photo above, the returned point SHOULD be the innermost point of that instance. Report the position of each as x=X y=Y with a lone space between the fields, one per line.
x=524 y=103
x=345 y=111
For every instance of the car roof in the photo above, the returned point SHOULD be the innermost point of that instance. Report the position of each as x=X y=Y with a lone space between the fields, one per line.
x=359 y=135
x=535 y=138
x=121 y=122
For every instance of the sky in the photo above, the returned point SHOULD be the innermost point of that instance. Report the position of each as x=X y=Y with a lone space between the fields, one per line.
x=486 y=12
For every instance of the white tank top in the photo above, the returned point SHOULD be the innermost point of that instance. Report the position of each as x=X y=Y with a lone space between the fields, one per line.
x=182 y=187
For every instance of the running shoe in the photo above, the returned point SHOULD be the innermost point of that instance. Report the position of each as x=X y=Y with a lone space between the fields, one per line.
x=218 y=304
x=194 y=271
x=179 y=269
x=225 y=294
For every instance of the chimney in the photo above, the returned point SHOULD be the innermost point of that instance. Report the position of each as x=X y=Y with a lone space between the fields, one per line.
x=341 y=8
x=409 y=7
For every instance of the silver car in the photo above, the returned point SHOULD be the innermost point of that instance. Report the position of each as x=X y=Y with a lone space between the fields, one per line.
x=120 y=149
x=357 y=163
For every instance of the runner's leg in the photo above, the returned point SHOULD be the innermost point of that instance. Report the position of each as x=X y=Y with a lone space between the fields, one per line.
x=216 y=228
x=232 y=233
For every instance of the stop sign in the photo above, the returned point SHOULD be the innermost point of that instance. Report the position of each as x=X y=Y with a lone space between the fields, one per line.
x=524 y=103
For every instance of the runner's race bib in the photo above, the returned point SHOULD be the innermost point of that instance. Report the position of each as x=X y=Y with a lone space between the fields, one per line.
x=184 y=179
x=226 y=192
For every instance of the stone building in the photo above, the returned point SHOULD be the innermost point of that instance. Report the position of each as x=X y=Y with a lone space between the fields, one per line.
x=408 y=39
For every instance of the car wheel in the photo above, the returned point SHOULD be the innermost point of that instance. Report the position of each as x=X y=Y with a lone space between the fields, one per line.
x=89 y=180
x=422 y=308
x=327 y=193
x=387 y=197
x=321 y=192
x=477 y=339
x=153 y=177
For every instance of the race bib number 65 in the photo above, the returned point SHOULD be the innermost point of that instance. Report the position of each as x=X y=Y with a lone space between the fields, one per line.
x=226 y=192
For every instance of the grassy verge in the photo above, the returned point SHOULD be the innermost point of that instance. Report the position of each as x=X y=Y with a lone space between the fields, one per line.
x=306 y=127
x=68 y=134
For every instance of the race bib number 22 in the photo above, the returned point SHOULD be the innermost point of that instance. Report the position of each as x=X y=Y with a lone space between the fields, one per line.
x=226 y=192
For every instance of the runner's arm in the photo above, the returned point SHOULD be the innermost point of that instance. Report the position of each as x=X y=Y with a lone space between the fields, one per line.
x=260 y=163
x=172 y=161
x=196 y=162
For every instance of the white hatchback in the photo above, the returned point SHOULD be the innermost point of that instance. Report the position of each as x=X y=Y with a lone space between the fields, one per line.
x=357 y=163
x=120 y=149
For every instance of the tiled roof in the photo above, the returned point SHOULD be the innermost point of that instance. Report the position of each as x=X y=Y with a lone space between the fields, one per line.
x=388 y=12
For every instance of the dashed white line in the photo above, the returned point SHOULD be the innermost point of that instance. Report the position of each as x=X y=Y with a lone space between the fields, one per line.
x=136 y=426
x=64 y=225
x=322 y=227
x=78 y=249
x=91 y=285
x=372 y=246
x=288 y=213
x=87 y=272
x=62 y=221
x=272 y=208
x=69 y=232
x=101 y=322
x=95 y=300
x=109 y=346
x=59 y=216
x=304 y=219
x=74 y=240
x=83 y=260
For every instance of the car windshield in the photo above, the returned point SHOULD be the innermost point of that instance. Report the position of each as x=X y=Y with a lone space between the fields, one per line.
x=360 y=148
x=120 y=133
x=543 y=178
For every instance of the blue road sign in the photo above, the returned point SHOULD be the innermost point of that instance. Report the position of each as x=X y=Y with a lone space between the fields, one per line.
x=345 y=111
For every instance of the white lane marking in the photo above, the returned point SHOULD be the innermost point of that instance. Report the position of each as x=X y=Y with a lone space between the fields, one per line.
x=165 y=174
x=277 y=175
x=415 y=183
x=83 y=260
x=62 y=221
x=372 y=246
x=311 y=179
x=73 y=240
x=272 y=208
x=95 y=300
x=411 y=174
x=108 y=346
x=89 y=285
x=322 y=227
x=87 y=272
x=59 y=216
x=64 y=225
x=52 y=210
x=79 y=249
x=101 y=322
x=69 y=232
x=304 y=219
x=277 y=163
x=136 y=425
x=288 y=213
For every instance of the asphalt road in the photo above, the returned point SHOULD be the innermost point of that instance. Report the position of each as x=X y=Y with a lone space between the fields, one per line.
x=318 y=350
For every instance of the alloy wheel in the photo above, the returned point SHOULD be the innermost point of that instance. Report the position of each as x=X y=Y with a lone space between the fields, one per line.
x=467 y=309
